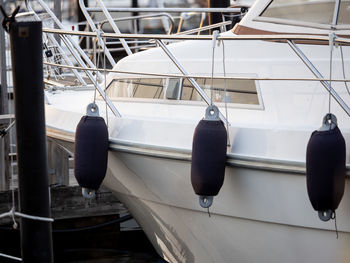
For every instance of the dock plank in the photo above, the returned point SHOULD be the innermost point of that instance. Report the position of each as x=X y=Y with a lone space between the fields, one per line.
x=67 y=202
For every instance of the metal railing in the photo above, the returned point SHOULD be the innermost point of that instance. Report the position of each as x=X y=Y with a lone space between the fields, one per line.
x=140 y=17
x=167 y=10
x=290 y=39
x=81 y=57
x=102 y=36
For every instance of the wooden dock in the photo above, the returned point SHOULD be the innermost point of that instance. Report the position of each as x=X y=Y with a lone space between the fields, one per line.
x=67 y=201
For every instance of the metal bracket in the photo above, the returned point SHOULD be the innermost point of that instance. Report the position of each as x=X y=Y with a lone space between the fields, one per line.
x=329 y=122
x=325 y=215
x=212 y=113
x=88 y=193
x=92 y=110
x=332 y=37
x=205 y=201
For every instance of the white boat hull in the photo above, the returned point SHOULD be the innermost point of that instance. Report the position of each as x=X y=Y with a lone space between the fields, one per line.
x=258 y=216
x=262 y=213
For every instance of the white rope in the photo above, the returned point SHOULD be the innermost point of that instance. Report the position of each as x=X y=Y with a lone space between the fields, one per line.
x=5 y=131
x=12 y=181
x=12 y=213
x=98 y=34
x=215 y=35
x=226 y=97
x=332 y=37
x=7 y=214
x=105 y=76
x=95 y=60
x=37 y=218
x=10 y=257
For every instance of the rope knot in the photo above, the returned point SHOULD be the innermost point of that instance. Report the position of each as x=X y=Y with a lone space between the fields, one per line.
x=12 y=214
x=8 y=20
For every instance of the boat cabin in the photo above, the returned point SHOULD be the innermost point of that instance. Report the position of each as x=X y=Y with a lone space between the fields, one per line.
x=296 y=17
x=266 y=17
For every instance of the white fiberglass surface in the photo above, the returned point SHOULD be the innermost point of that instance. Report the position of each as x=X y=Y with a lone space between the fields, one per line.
x=283 y=102
x=252 y=207
x=291 y=109
x=75 y=101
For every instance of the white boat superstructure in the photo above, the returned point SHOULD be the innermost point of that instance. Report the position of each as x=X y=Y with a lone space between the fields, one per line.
x=269 y=76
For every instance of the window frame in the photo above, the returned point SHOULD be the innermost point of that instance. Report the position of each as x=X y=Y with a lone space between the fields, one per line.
x=179 y=101
x=291 y=22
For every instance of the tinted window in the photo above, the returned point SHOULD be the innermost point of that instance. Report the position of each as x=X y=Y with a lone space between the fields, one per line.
x=237 y=91
x=314 y=11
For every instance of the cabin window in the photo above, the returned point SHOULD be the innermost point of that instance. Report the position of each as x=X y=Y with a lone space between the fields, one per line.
x=315 y=11
x=137 y=88
x=237 y=91
x=344 y=13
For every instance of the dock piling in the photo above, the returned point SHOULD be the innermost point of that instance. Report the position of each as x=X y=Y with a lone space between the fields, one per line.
x=27 y=69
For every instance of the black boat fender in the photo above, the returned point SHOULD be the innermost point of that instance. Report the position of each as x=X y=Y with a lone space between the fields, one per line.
x=208 y=157
x=325 y=168
x=91 y=151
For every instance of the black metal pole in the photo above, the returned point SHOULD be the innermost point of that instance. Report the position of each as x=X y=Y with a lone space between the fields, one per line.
x=81 y=18
x=135 y=4
x=27 y=68
x=58 y=13
x=217 y=17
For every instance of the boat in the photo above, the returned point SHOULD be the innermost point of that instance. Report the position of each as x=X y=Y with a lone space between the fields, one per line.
x=273 y=77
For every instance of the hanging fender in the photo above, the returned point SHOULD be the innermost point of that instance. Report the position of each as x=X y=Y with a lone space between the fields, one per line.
x=91 y=151
x=325 y=168
x=208 y=157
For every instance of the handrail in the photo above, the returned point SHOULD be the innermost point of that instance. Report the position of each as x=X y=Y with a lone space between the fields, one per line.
x=315 y=38
x=167 y=9
x=285 y=38
x=93 y=27
x=204 y=28
x=53 y=40
x=78 y=51
x=168 y=75
x=114 y=26
x=141 y=17
x=71 y=44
